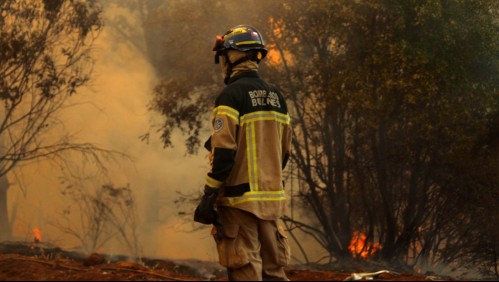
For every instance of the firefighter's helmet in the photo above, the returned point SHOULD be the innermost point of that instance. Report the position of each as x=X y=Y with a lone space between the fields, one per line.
x=243 y=38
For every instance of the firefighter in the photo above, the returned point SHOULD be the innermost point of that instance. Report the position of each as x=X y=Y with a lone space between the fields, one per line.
x=244 y=195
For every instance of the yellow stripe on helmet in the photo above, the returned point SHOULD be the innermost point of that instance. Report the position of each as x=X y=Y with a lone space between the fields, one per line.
x=248 y=42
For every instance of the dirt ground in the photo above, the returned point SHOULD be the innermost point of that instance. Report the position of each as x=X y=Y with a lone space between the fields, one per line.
x=21 y=262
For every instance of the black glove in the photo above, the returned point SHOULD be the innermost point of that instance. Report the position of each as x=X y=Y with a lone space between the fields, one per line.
x=205 y=212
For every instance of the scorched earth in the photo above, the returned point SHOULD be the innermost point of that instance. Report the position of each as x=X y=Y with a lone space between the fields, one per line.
x=22 y=262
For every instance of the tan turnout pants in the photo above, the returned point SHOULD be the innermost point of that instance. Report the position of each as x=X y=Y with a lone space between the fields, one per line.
x=252 y=249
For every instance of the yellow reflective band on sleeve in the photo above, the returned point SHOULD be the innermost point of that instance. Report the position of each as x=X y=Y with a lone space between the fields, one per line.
x=228 y=111
x=213 y=183
x=265 y=115
x=262 y=196
x=251 y=154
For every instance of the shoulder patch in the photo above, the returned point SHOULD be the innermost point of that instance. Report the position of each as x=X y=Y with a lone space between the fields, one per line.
x=218 y=124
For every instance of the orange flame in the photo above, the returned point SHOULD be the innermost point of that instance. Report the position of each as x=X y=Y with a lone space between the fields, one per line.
x=359 y=247
x=37 y=234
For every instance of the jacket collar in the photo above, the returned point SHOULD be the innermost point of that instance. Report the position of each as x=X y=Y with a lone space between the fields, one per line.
x=244 y=74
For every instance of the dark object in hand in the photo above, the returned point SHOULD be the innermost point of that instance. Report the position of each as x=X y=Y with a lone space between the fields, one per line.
x=205 y=212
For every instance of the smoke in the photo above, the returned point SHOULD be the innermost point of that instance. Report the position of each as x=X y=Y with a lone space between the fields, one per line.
x=112 y=113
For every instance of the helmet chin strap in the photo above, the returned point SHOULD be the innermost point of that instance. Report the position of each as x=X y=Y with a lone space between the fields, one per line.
x=249 y=56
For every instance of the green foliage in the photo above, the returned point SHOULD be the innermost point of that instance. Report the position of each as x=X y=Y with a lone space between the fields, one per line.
x=388 y=98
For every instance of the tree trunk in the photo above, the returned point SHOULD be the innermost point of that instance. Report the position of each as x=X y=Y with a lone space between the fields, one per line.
x=5 y=229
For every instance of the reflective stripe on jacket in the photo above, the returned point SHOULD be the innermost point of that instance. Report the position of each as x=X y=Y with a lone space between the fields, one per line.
x=250 y=144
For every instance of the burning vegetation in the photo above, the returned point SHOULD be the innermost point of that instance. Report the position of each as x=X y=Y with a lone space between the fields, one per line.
x=360 y=247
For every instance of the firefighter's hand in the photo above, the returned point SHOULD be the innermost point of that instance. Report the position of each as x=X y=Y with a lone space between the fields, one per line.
x=205 y=212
